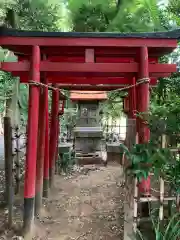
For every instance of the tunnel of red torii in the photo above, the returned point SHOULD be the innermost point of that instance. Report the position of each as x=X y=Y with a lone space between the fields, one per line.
x=79 y=61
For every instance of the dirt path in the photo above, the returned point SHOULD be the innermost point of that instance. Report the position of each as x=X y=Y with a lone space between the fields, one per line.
x=84 y=207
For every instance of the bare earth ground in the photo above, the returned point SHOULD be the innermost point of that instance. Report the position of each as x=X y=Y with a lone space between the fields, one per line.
x=83 y=206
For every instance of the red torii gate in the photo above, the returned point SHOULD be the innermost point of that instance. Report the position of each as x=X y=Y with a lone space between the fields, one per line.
x=87 y=61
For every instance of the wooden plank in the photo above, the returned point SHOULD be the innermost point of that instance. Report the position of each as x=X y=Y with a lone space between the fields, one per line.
x=87 y=42
x=89 y=55
x=101 y=68
x=111 y=81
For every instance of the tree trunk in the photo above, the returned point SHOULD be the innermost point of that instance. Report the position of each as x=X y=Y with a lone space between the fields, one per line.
x=9 y=194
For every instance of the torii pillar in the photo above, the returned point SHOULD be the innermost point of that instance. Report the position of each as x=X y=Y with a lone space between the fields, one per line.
x=132 y=102
x=46 y=152
x=143 y=107
x=31 y=156
x=130 y=107
x=53 y=134
x=40 y=147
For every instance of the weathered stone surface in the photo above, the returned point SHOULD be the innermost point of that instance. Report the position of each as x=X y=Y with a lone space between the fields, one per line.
x=87 y=145
x=113 y=147
x=88 y=133
x=94 y=132
x=65 y=147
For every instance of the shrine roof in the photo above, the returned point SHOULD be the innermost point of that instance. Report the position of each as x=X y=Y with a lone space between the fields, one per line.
x=88 y=95
x=174 y=34
x=75 y=43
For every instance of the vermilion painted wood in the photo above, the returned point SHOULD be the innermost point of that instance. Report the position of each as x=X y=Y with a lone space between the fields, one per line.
x=73 y=53
x=143 y=107
x=89 y=55
x=132 y=100
x=57 y=139
x=97 y=59
x=41 y=148
x=99 y=51
x=87 y=68
x=114 y=60
x=53 y=134
x=31 y=153
x=46 y=155
x=81 y=59
x=55 y=77
x=60 y=113
x=66 y=59
x=87 y=42
x=88 y=80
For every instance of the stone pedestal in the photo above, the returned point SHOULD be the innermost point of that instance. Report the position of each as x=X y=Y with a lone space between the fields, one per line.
x=88 y=134
x=65 y=147
x=88 y=145
x=114 y=152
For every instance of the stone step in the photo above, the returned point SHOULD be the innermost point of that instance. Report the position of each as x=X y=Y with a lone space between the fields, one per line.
x=87 y=160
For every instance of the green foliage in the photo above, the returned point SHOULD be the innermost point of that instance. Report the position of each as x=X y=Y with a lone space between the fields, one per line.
x=112 y=108
x=137 y=16
x=23 y=102
x=121 y=16
x=127 y=16
x=117 y=16
x=6 y=80
x=66 y=162
x=172 y=174
x=174 y=11
x=164 y=115
x=146 y=158
x=39 y=15
x=31 y=15
x=165 y=107
x=91 y=16
x=171 y=230
x=68 y=119
x=4 y=5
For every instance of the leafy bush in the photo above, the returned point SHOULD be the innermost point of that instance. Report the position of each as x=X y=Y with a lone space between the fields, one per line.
x=146 y=158
x=170 y=231
x=66 y=162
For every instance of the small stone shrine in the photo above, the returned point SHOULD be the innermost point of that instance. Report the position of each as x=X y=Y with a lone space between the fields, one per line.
x=88 y=132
